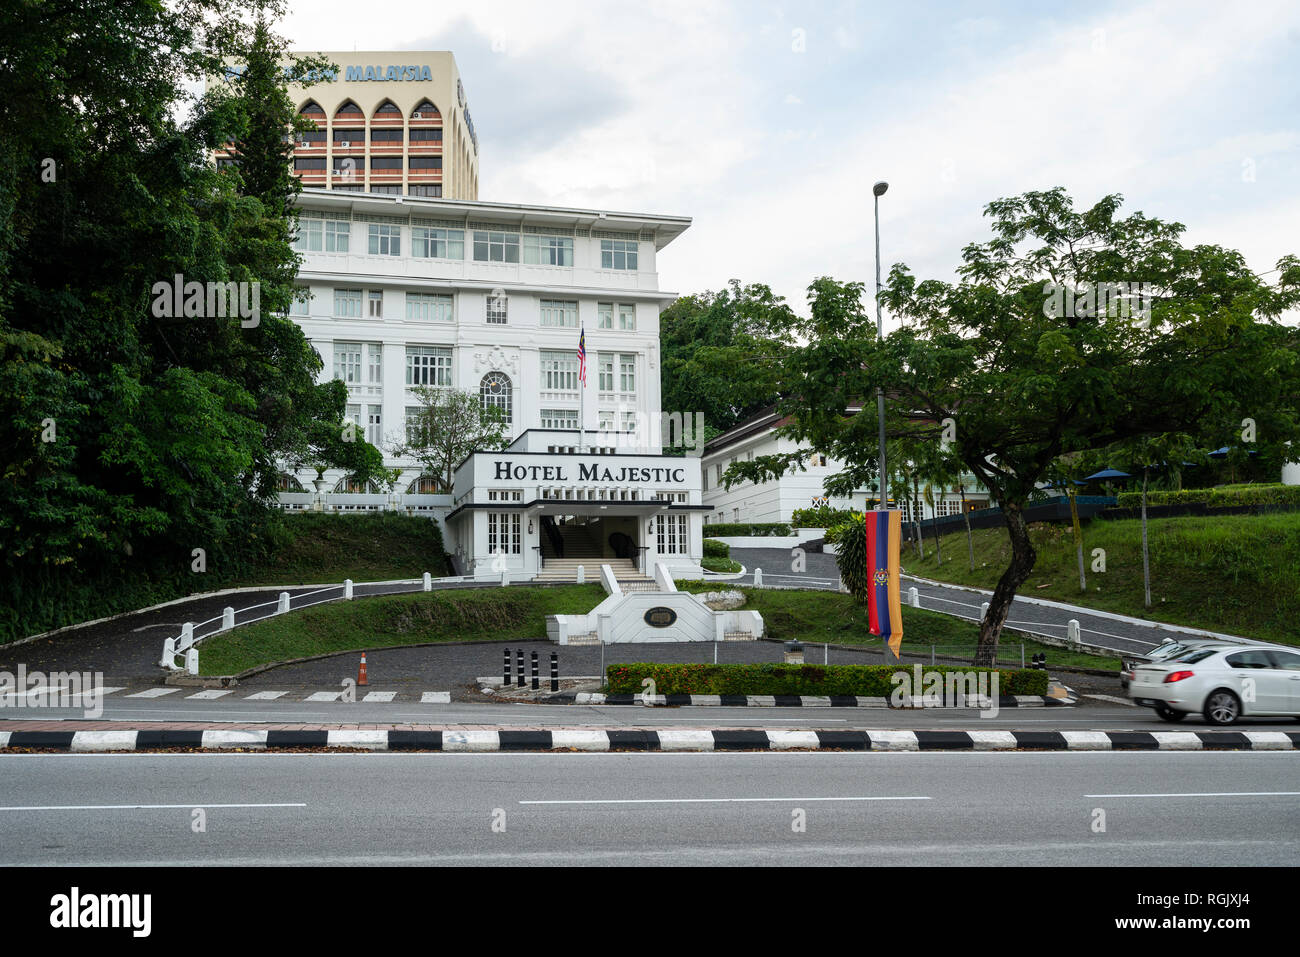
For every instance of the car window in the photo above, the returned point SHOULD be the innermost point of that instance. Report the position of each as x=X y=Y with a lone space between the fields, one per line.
x=1250 y=659
x=1199 y=654
x=1287 y=660
x=1169 y=650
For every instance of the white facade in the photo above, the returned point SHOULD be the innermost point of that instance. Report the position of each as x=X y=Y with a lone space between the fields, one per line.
x=490 y=298
x=516 y=508
x=777 y=500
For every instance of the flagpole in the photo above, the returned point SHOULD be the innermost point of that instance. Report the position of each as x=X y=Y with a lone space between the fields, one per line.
x=582 y=392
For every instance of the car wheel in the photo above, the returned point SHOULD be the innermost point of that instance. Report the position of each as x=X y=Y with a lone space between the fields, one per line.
x=1222 y=707
x=1169 y=714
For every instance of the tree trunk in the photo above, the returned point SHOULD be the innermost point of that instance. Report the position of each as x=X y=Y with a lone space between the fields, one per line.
x=970 y=542
x=1022 y=564
x=916 y=515
x=938 y=555
x=1146 y=566
x=1078 y=539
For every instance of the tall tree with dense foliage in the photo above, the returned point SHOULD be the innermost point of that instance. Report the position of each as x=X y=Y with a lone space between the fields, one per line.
x=722 y=353
x=448 y=425
x=1026 y=382
x=132 y=437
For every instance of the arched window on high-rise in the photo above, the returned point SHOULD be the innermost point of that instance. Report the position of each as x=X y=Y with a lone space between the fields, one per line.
x=495 y=390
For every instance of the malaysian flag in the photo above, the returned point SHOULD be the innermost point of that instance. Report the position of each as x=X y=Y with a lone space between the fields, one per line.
x=582 y=357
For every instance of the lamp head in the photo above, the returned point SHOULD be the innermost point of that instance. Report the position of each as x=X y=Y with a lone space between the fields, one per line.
x=879 y=188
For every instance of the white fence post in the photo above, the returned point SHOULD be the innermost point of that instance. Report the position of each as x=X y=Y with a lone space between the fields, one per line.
x=582 y=574
x=1072 y=630
x=192 y=661
x=505 y=577
x=227 y=618
x=428 y=582
x=758 y=578
x=187 y=636
x=284 y=603
x=347 y=589
x=984 y=610
x=914 y=597
x=169 y=653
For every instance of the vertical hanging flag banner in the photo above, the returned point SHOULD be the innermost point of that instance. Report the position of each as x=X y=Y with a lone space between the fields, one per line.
x=884 y=604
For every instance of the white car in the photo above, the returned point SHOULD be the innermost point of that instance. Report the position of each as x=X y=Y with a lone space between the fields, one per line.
x=1170 y=648
x=1223 y=683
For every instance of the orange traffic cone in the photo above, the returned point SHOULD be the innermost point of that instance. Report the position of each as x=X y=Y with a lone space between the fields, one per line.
x=361 y=674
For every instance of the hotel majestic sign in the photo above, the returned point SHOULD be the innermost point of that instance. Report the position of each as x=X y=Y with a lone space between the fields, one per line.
x=506 y=471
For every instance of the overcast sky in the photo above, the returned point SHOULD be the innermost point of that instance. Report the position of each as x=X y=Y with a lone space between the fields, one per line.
x=767 y=123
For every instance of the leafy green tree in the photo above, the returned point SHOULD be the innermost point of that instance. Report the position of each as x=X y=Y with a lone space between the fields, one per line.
x=1027 y=383
x=449 y=425
x=722 y=353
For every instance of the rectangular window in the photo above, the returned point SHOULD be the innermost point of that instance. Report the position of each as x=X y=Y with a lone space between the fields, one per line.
x=605 y=421
x=337 y=232
x=604 y=315
x=386 y=136
x=428 y=307
x=347 y=303
x=310 y=236
x=301 y=305
x=557 y=312
x=605 y=365
x=627 y=374
x=375 y=363
x=424 y=163
x=548 y=250
x=496 y=247
x=309 y=163
x=414 y=430
x=374 y=425
x=627 y=317
x=385 y=240
x=347 y=363
x=376 y=299
x=426 y=190
x=428 y=365
x=559 y=373
x=386 y=162
x=426 y=136
x=617 y=254
x=671 y=537
x=430 y=243
x=629 y=422
x=559 y=418
x=496 y=309
x=717 y=475
x=504 y=537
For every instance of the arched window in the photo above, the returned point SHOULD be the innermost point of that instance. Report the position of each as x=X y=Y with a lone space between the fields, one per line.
x=426 y=485
x=388 y=109
x=350 y=110
x=312 y=109
x=495 y=390
x=426 y=109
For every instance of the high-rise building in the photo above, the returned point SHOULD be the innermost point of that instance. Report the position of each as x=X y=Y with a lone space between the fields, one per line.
x=394 y=122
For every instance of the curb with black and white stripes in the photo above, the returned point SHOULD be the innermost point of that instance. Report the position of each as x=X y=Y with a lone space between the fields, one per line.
x=815 y=701
x=662 y=739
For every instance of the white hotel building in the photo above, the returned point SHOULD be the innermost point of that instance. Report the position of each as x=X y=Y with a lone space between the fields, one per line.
x=490 y=298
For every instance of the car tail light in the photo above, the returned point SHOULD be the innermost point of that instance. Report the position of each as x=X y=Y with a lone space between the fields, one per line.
x=1177 y=676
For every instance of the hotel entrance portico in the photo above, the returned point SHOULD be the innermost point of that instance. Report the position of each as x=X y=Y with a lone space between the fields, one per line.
x=540 y=508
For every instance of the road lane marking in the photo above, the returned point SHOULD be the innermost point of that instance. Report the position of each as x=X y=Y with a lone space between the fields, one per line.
x=210 y=695
x=153 y=693
x=265 y=695
x=135 y=807
x=383 y=696
x=794 y=800
x=436 y=697
x=1202 y=794
x=324 y=696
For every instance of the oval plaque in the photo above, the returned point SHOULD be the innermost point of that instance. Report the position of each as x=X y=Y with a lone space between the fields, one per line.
x=660 y=617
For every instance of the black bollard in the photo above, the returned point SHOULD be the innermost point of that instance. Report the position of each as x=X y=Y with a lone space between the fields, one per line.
x=555 y=672
x=535 y=684
x=505 y=670
x=519 y=666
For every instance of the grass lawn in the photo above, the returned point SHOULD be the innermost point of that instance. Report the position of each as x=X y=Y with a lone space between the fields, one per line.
x=832 y=617
x=471 y=614
x=1234 y=573
x=317 y=548
x=519 y=612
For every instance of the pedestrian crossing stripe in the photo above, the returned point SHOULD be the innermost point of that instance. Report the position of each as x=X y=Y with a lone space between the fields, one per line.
x=265 y=695
x=380 y=696
x=436 y=697
x=323 y=696
x=209 y=694
x=153 y=693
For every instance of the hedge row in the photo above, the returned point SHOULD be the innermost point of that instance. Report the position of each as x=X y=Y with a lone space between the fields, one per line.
x=823 y=517
x=1217 y=497
x=872 y=681
x=746 y=528
x=716 y=549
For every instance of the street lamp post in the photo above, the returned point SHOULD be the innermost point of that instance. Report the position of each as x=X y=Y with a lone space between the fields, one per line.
x=877 y=191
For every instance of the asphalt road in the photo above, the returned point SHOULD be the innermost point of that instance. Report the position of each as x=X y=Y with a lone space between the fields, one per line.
x=1096 y=716
x=911 y=809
